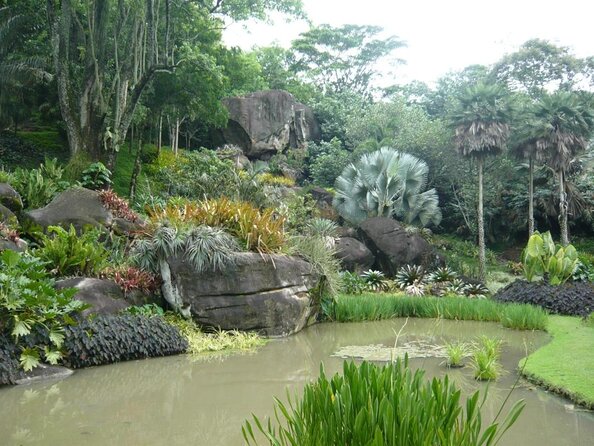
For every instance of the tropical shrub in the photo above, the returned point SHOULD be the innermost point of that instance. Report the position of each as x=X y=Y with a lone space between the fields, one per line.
x=106 y=339
x=261 y=231
x=131 y=279
x=38 y=187
x=352 y=283
x=96 y=176
x=328 y=166
x=29 y=301
x=118 y=206
x=270 y=179
x=387 y=183
x=322 y=258
x=381 y=406
x=68 y=253
x=409 y=275
x=298 y=209
x=203 y=247
x=570 y=298
x=542 y=257
x=375 y=280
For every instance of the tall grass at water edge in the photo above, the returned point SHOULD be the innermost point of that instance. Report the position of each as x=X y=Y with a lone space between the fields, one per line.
x=380 y=406
x=373 y=307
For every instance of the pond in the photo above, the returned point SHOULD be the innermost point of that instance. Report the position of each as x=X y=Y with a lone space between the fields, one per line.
x=183 y=401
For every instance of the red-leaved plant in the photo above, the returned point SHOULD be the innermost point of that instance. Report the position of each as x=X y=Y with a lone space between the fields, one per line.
x=118 y=206
x=131 y=279
x=8 y=233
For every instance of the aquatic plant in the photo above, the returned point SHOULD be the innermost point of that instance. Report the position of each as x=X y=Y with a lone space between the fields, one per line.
x=456 y=352
x=486 y=367
x=370 y=307
x=380 y=406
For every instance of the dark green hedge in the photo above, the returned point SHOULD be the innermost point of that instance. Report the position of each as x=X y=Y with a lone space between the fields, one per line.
x=108 y=339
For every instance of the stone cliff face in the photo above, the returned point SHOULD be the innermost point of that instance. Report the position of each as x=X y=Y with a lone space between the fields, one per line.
x=268 y=122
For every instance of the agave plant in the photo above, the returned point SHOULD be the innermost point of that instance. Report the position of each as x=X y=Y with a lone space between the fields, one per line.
x=375 y=280
x=387 y=183
x=409 y=275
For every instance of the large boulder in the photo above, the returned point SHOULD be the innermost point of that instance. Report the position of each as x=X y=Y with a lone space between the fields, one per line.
x=394 y=247
x=6 y=215
x=10 y=197
x=354 y=255
x=269 y=294
x=103 y=296
x=268 y=122
x=77 y=206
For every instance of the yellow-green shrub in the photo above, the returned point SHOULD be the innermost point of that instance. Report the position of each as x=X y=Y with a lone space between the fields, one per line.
x=261 y=231
x=275 y=180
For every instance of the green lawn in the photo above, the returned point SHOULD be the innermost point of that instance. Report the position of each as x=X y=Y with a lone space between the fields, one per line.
x=566 y=364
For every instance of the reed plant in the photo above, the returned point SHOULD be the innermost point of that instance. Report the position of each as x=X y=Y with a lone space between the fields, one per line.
x=456 y=352
x=486 y=366
x=376 y=306
x=376 y=405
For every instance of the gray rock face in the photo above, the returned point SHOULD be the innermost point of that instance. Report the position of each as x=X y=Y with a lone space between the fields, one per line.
x=18 y=245
x=269 y=294
x=44 y=372
x=10 y=198
x=6 y=215
x=354 y=255
x=76 y=206
x=268 y=122
x=103 y=296
x=393 y=247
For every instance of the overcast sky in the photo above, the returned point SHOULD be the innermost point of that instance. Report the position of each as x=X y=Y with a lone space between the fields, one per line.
x=445 y=35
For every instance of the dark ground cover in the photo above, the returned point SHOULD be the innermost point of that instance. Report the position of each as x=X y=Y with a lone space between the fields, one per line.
x=571 y=298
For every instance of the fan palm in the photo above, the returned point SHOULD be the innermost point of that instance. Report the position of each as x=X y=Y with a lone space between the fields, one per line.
x=387 y=183
x=481 y=128
x=525 y=147
x=566 y=125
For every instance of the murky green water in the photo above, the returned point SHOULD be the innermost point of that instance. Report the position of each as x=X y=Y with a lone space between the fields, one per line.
x=177 y=401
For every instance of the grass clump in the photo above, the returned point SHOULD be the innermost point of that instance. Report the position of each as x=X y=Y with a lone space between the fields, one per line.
x=381 y=405
x=485 y=359
x=372 y=307
x=456 y=352
x=200 y=342
x=565 y=364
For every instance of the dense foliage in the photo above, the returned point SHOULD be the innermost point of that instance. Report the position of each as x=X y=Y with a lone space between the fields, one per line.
x=108 y=339
x=381 y=405
x=571 y=298
x=28 y=301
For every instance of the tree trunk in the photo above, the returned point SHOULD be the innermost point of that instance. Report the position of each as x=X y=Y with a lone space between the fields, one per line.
x=531 y=197
x=136 y=171
x=563 y=209
x=481 y=223
x=160 y=134
x=170 y=292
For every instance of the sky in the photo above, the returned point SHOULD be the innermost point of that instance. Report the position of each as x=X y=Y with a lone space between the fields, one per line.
x=441 y=36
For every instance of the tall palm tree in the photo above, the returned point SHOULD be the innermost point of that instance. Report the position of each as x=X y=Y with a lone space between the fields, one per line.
x=387 y=183
x=481 y=123
x=566 y=126
x=525 y=146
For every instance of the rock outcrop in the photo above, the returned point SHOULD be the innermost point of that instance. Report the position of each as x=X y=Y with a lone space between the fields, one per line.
x=268 y=122
x=10 y=198
x=103 y=296
x=393 y=247
x=354 y=255
x=77 y=206
x=269 y=294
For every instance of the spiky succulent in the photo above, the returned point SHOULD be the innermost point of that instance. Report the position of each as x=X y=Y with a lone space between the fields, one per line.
x=476 y=290
x=408 y=275
x=442 y=274
x=457 y=287
x=415 y=289
x=375 y=280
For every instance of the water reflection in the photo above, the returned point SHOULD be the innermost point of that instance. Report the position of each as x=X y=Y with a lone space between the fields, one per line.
x=180 y=401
